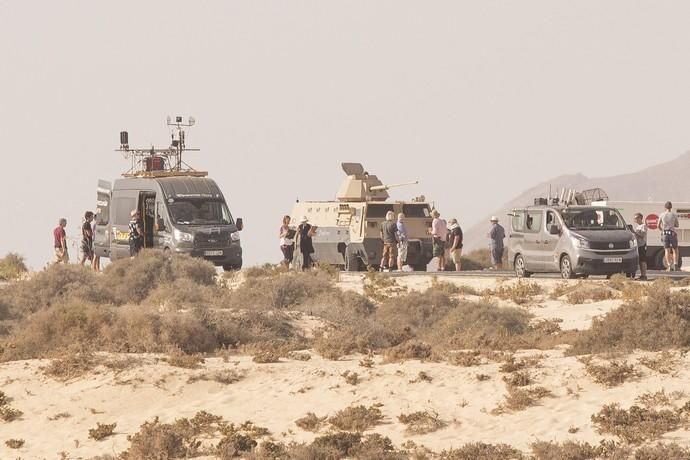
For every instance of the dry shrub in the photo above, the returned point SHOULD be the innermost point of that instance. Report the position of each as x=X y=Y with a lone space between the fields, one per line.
x=9 y=414
x=520 y=292
x=663 y=363
x=577 y=450
x=636 y=424
x=311 y=422
x=156 y=440
x=266 y=357
x=422 y=377
x=482 y=377
x=185 y=361
x=234 y=445
x=351 y=378
x=659 y=398
x=4 y=399
x=519 y=399
x=261 y=271
x=660 y=321
x=281 y=291
x=514 y=365
x=71 y=366
x=611 y=374
x=12 y=266
x=562 y=289
x=299 y=356
x=518 y=379
x=184 y=294
x=421 y=422
x=450 y=289
x=357 y=418
x=224 y=376
x=584 y=292
x=465 y=358
x=634 y=292
x=412 y=349
x=482 y=451
x=15 y=443
x=102 y=431
x=379 y=287
x=618 y=281
x=662 y=451
x=367 y=362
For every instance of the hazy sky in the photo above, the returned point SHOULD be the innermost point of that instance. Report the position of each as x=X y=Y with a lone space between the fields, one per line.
x=478 y=100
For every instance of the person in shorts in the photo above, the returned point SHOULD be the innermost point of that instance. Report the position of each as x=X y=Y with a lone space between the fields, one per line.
x=668 y=223
x=86 y=239
x=496 y=236
x=389 y=236
x=60 y=242
x=402 y=241
x=287 y=241
x=136 y=233
x=640 y=231
x=439 y=234
x=455 y=243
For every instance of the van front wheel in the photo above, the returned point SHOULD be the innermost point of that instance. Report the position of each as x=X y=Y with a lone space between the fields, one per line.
x=520 y=271
x=567 y=268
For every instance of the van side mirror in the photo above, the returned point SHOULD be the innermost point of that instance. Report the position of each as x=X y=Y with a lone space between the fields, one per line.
x=239 y=224
x=554 y=230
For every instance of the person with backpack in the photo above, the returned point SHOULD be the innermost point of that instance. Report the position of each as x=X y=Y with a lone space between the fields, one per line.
x=668 y=223
x=455 y=243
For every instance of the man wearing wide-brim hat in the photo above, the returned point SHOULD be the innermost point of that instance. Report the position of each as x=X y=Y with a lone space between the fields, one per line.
x=496 y=236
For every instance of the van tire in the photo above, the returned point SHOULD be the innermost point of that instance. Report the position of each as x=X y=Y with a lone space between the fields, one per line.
x=566 y=267
x=519 y=265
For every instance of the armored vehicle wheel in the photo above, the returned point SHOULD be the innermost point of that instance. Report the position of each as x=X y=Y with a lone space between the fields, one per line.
x=567 y=268
x=353 y=263
x=233 y=267
x=520 y=271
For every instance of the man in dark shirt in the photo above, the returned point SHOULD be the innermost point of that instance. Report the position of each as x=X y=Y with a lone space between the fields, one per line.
x=455 y=242
x=86 y=238
x=136 y=234
x=389 y=235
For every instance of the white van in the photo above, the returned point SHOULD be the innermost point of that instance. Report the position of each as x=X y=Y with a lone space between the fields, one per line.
x=651 y=212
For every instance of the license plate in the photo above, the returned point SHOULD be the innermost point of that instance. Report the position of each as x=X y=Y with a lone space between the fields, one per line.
x=213 y=253
x=613 y=260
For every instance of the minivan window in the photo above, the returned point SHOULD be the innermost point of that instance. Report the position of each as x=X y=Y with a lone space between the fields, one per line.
x=194 y=211
x=533 y=221
x=592 y=219
x=518 y=221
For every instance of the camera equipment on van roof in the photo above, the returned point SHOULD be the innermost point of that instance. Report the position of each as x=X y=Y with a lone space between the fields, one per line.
x=569 y=197
x=165 y=162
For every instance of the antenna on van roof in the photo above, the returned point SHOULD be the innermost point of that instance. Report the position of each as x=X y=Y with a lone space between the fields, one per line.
x=153 y=162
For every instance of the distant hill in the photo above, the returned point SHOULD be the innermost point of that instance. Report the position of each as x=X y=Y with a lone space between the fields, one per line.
x=666 y=181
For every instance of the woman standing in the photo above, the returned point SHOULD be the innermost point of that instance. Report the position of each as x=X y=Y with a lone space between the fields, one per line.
x=287 y=241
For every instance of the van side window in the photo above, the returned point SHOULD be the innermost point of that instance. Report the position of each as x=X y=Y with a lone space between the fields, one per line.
x=550 y=219
x=518 y=221
x=533 y=221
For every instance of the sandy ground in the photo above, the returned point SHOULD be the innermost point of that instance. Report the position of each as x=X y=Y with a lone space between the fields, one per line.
x=275 y=395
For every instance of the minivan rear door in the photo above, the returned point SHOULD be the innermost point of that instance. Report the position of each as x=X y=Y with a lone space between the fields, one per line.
x=101 y=237
x=534 y=236
x=549 y=242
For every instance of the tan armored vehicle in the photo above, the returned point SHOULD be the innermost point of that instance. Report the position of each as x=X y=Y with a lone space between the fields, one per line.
x=348 y=233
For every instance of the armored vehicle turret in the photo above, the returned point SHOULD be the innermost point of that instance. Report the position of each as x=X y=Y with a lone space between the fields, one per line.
x=348 y=229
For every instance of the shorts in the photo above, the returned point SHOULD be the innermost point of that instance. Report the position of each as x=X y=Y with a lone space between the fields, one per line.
x=455 y=255
x=439 y=247
x=642 y=253
x=87 y=250
x=389 y=251
x=402 y=251
x=61 y=257
x=496 y=255
x=670 y=240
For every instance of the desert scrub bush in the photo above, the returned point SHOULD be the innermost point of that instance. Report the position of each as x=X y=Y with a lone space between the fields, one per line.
x=519 y=399
x=9 y=414
x=482 y=451
x=584 y=292
x=224 y=376
x=266 y=357
x=510 y=364
x=421 y=422
x=299 y=355
x=665 y=362
x=518 y=379
x=102 y=431
x=351 y=378
x=235 y=445
x=659 y=398
x=15 y=443
x=450 y=289
x=184 y=294
x=611 y=373
x=561 y=289
x=658 y=322
x=4 y=399
x=412 y=349
x=661 y=451
x=156 y=440
x=379 y=287
x=261 y=271
x=71 y=366
x=185 y=361
x=12 y=266
x=357 y=418
x=465 y=358
x=578 y=450
x=311 y=422
x=637 y=424
x=520 y=292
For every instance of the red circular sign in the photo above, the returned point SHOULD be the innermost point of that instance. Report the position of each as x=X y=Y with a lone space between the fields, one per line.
x=652 y=221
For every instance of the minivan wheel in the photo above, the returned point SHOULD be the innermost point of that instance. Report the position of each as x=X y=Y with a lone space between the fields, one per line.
x=520 y=271
x=567 y=268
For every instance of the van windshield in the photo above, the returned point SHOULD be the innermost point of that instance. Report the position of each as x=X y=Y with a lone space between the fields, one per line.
x=199 y=212
x=592 y=219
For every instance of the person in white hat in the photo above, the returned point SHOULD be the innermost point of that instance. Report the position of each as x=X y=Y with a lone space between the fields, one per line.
x=496 y=236
x=136 y=233
x=305 y=231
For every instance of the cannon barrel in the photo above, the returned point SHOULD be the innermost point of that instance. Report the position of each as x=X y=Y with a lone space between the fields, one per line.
x=378 y=188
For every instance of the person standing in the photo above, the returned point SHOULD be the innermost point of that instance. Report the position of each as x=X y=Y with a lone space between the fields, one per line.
x=640 y=230
x=305 y=232
x=96 y=263
x=287 y=241
x=496 y=236
x=389 y=236
x=60 y=242
x=402 y=241
x=668 y=223
x=439 y=233
x=455 y=243
x=136 y=233
x=86 y=239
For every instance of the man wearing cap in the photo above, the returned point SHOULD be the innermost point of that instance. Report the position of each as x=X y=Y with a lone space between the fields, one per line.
x=496 y=236
x=455 y=242
x=304 y=233
x=389 y=236
x=136 y=233
x=439 y=233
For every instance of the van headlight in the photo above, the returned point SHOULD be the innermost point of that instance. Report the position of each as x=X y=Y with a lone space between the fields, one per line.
x=182 y=236
x=580 y=243
x=235 y=236
x=633 y=243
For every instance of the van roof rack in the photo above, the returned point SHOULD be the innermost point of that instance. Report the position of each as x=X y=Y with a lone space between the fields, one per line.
x=167 y=162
